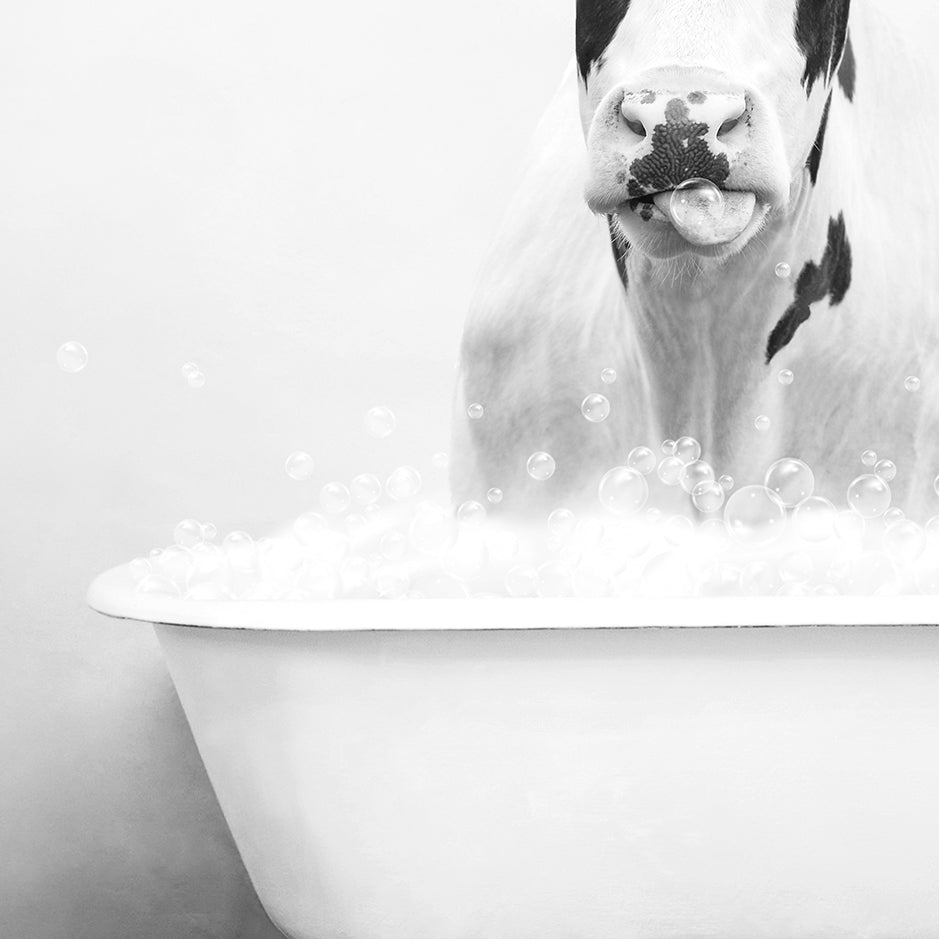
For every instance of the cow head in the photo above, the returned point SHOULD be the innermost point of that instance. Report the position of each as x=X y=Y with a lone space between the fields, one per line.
x=732 y=92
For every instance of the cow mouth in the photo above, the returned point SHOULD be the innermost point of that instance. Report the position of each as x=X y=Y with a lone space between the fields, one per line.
x=702 y=227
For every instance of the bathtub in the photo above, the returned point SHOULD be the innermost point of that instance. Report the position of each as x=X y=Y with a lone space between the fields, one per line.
x=568 y=769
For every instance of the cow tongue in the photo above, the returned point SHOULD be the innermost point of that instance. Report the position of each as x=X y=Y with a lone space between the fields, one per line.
x=697 y=221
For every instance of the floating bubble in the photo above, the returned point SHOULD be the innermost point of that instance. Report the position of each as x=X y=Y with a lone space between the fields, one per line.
x=335 y=498
x=608 y=376
x=869 y=457
x=687 y=449
x=782 y=270
x=785 y=376
x=869 y=496
x=932 y=526
x=814 y=519
x=440 y=460
x=886 y=470
x=708 y=496
x=595 y=408
x=196 y=379
x=365 y=488
x=494 y=495
x=188 y=368
x=380 y=422
x=754 y=516
x=541 y=465
x=695 y=472
x=641 y=459
x=670 y=470
x=187 y=533
x=209 y=531
x=623 y=491
x=905 y=540
x=72 y=357
x=668 y=447
x=521 y=581
x=475 y=411
x=471 y=513
x=694 y=201
x=791 y=480
x=911 y=383
x=299 y=465
x=893 y=515
x=727 y=482
x=762 y=423
x=562 y=522
x=403 y=484
x=433 y=529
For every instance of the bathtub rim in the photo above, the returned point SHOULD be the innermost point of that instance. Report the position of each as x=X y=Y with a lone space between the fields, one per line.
x=112 y=593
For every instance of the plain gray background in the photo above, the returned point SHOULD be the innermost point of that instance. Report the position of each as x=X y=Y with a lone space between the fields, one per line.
x=294 y=195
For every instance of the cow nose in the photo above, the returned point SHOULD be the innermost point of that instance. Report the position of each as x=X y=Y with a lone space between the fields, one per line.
x=716 y=114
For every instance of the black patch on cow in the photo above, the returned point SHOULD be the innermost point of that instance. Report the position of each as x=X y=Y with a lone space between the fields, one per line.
x=595 y=25
x=831 y=277
x=847 y=70
x=815 y=154
x=620 y=251
x=679 y=152
x=697 y=97
x=820 y=30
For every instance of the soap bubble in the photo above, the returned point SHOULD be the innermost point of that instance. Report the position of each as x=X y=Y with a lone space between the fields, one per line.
x=932 y=526
x=708 y=496
x=380 y=422
x=196 y=379
x=139 y=568
x=471 y=513
x=240 y=550
x=670 y=470
x=754 y=516
x=869 y=457
x=72 y=357
x=541 y=465
x=694 y=200
x=335 y=498
x=893 y=515
x=188 y=368
x=869 y=496
x=905 y=540
x=623 y=490
x=440 y=460
x=365 y=488
x=785 y=376
x=814 y=519
x=355 y=524
x=187 y=533
x=911 y=383
x=158 y=585
x=595 y=408
x=791 y=480
x=521 y=581
x=762 y=423
x=562 y=522
x=209 y=531
x=641 y=459
x=668 y=447
x=687 y=449
x=494 y=495
x=608 y=376
x=433 y=529
x=935 y=485
x=727 y=482
x=403 y=484
x=475 y=411
x=695 y=472
x=886 y=470
x=782 y=270
x=299 y=465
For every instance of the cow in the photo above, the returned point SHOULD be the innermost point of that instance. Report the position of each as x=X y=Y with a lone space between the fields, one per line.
x=812 y=121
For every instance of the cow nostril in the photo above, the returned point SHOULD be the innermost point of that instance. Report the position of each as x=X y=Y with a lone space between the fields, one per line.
x=728 y=126
x=635 y=126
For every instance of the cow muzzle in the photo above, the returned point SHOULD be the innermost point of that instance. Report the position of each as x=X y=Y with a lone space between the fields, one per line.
x=685 y=164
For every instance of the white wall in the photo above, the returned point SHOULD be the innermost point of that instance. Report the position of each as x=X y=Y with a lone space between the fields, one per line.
x=297 y=198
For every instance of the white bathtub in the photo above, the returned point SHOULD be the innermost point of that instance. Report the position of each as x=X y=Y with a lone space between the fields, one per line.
x=536 y=769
